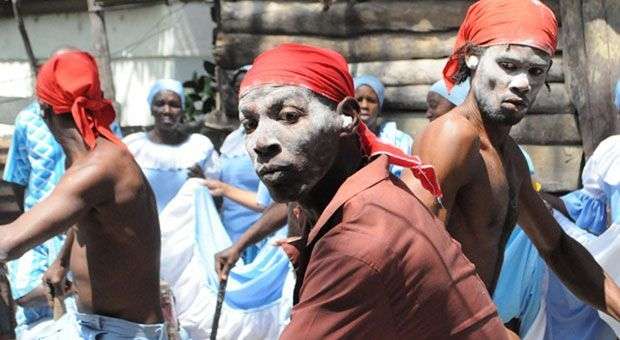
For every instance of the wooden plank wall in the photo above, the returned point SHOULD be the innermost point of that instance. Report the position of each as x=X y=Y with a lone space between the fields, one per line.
x=405 y=44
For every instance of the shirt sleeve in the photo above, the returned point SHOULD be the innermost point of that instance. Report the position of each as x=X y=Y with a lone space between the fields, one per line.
x=211 y=165
x=17 y=168
x=263 y=198
x=341 y=298
x=25 y=273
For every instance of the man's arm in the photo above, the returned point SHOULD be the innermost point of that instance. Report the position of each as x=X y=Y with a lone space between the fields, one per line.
x=272 y=219
x=54 y=277
x=556 y=203
x=74 y=196
x=450 y=146
x=568 y=259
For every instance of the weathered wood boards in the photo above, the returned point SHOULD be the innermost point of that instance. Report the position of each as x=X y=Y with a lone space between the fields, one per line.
x=413 y=98
x=557 y=167
x=592 y=65
x=559 y=129
x=237 y=49
x=345 y=18
x=405 y=44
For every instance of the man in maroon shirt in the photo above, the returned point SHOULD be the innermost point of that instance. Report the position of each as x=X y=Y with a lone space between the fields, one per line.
x=376 y=264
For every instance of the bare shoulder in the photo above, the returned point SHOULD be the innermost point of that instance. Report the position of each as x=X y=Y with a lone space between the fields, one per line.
x=449 y=141
x=103 y=165
x=449 y=131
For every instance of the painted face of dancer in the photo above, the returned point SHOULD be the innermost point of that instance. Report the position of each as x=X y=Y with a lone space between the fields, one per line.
x=507 y=80
x=292 y=138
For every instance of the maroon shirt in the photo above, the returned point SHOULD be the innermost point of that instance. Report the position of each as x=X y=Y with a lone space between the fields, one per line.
x=378 y=265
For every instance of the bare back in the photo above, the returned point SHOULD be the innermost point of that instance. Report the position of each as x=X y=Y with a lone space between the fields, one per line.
x=115 y=254
x=480 y=185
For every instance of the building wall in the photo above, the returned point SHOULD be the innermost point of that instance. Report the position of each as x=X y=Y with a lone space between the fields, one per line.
x=405 y=44
x=146 y=43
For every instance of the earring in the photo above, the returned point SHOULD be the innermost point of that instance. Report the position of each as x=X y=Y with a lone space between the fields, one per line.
x=472 y=62
x=346 y=121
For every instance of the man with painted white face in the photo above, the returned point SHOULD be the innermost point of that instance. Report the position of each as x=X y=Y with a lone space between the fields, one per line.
x=365 y=269
x=505 y=46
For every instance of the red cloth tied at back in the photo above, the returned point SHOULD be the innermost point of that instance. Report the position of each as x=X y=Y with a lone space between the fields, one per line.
x=69 y=82
x=326 y=72
x=497 y=22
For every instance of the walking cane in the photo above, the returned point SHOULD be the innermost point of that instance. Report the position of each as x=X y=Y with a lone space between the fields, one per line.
x=218 y=308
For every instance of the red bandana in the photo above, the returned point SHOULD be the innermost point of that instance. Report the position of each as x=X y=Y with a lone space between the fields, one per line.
x=69 y=82
x=326 y=72
x=497 y=22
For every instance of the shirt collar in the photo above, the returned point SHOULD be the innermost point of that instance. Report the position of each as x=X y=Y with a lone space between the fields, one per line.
x=371 y=174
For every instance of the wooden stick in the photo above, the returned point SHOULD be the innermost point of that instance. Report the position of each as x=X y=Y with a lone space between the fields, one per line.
x=102 y=50
x=218 y=308
x=58 y=307
x=24 y=34
x=57 y=303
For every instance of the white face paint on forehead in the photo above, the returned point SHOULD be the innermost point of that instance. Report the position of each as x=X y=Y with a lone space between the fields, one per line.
x=292 y=137
x=507 y=81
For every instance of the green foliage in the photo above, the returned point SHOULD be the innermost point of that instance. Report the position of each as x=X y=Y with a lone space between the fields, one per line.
x=200 y=92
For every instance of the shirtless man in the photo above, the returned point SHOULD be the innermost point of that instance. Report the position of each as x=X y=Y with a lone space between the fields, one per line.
x=105 y=199
x=483 y=175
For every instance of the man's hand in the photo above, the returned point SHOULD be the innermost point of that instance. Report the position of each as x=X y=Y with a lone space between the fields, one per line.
x=225 y=260
x=195 y=171
x=55 y=279
x=217 y=188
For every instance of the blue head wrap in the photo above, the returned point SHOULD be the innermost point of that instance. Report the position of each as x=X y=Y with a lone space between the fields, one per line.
x=374 y=83
x=167 y=84
x=618 y=95
x=456 y=96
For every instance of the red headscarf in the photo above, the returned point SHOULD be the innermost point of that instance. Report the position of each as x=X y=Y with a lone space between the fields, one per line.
x=69 y=82
x=497 y=22
x=326 y=72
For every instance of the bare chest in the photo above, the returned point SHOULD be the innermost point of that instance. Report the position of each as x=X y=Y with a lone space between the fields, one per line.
x=485 y=212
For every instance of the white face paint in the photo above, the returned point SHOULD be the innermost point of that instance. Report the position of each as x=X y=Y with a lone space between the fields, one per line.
x=507 y=80
x=292 y=137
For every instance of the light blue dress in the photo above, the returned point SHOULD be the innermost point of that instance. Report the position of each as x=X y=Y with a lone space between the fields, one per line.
x=525 y=278
x=389 y=133
x=568 y=317
x=256 y=294
x=165 y=166
x=601 y=187
x=238 y=171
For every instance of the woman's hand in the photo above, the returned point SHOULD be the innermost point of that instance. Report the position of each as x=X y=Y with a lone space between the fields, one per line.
x=217 y=188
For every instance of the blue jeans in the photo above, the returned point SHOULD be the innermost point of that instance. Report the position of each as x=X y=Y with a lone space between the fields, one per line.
x=97 y=327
